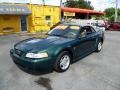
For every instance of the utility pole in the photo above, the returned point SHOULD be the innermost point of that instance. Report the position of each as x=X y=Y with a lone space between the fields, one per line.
x=30 y=4
x=116 y=10
x=43 y=1
x=60 y=10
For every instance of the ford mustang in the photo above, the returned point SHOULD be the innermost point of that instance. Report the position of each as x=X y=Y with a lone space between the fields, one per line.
x=64 y=44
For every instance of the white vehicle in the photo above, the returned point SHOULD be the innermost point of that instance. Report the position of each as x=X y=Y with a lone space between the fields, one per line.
x=97 y=24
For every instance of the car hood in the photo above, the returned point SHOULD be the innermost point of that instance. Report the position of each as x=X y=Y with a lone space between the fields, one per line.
x=37 y=44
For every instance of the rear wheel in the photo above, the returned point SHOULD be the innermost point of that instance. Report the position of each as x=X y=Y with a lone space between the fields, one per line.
x=63 y=62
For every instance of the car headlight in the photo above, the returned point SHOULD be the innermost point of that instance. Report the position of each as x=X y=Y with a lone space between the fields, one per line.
x=37 y=55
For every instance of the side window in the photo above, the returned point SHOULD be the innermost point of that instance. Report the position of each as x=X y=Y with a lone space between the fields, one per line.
x=86 y=31
x=47 y=17
x=90 y=30
x=83 y=32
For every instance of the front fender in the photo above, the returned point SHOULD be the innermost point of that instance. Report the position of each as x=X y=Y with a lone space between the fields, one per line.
x=55 y=51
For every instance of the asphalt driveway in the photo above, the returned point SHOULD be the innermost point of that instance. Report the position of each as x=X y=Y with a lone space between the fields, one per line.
x=98 y=71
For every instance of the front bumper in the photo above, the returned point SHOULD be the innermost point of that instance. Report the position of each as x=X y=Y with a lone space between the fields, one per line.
x=34 y=64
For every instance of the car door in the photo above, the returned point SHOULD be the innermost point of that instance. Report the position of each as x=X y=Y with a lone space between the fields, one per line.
x=85 y=42
x=91 y=37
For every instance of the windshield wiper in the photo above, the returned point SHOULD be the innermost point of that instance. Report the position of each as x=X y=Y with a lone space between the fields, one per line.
x=54 y=35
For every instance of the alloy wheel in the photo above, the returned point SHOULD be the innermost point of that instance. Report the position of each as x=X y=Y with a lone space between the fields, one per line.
x=64 y=62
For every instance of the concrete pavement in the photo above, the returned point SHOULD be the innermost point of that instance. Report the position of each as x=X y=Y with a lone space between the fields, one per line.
x=98 y=71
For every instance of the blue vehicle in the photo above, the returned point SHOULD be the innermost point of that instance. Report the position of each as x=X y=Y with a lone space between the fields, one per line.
x=64 y=44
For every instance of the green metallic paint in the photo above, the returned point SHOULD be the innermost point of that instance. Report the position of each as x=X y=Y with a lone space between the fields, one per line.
x=53 y=45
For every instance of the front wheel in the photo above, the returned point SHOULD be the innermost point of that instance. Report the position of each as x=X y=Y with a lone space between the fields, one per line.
x=99 y=46
x=63 y=62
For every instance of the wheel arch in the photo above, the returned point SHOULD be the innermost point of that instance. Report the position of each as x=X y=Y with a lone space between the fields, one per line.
x=101 y=39
x=68 y=50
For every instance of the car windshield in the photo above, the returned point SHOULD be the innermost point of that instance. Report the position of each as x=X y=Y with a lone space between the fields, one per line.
x=65 y=31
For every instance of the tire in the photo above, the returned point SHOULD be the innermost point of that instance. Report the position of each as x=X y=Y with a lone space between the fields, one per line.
x=62 y=62
x=99 y=46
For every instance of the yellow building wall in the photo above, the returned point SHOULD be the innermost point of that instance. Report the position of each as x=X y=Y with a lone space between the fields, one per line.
x=43 y=17
x=9 y=24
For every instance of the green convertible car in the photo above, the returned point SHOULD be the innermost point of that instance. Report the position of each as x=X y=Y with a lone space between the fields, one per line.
x=64 y=44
